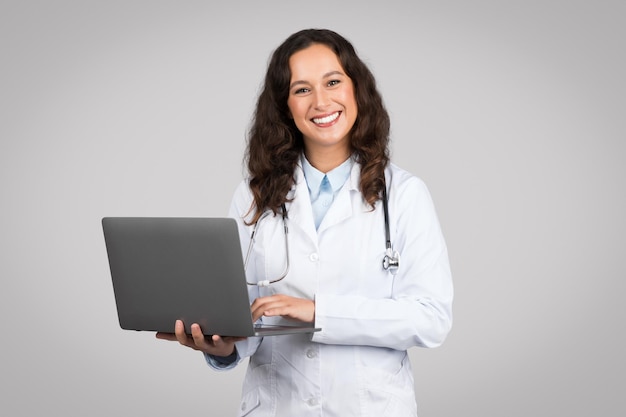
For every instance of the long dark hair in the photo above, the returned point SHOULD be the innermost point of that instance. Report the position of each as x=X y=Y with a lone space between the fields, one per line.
x=275 y=144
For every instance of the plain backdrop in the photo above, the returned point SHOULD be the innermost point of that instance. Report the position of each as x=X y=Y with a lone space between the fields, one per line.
x=513 y=113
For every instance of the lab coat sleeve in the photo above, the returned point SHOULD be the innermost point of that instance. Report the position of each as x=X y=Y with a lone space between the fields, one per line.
x=222 y=364
x=419 y=310
x=238 y=210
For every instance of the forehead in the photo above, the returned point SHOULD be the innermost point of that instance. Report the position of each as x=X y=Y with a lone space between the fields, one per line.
x=314 y=61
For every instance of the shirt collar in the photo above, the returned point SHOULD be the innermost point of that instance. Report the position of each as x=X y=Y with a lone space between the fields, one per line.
x=336 y=177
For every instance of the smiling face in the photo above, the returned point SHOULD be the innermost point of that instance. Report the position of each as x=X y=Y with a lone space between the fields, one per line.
x=322 y=104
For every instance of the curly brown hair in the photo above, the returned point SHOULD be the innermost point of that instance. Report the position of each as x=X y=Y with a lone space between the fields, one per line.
x=275 y=144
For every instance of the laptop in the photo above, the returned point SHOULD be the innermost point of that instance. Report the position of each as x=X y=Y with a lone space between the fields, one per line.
x=169 y=268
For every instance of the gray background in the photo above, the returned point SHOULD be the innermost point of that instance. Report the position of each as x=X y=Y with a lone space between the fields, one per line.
x=511 y=111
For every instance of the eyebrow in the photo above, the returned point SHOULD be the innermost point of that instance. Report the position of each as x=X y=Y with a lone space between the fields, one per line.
x=328 y=74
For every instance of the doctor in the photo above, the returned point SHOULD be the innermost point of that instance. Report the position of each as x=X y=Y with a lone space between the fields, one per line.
x=318 y=153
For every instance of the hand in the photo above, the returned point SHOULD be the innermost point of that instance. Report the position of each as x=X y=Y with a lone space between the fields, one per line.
x=213 y=345
x=283 y=305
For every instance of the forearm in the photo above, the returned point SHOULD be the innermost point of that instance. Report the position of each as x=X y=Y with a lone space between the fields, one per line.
x=243 y=349
x=393 y=323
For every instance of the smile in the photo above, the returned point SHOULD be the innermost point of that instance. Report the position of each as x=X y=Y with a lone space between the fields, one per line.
x=327 y=119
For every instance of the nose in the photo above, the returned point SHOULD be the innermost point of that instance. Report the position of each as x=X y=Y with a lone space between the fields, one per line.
x=321 y=98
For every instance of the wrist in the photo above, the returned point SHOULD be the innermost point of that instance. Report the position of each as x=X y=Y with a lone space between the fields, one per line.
x=227 y=360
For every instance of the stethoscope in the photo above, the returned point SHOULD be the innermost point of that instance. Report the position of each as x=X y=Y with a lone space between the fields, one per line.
x=391 y=260
x=266 y=283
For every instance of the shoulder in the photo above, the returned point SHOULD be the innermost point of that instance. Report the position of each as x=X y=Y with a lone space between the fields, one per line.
x=402 y=181
x=242 y=191
x=411 y=206
x=408 y=194
x=242 y=199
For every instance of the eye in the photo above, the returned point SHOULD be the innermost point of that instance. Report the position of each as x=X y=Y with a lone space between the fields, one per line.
x=302 y=90
x=333 y=83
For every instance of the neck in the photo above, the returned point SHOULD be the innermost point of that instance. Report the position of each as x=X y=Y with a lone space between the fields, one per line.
x=326 y=160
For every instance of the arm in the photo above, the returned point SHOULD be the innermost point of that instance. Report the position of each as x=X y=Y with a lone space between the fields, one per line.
x=239 y=207
x=220 y=352
x=418 y=312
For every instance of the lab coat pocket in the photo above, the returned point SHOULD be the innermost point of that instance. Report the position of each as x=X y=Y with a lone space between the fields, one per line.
x=385 y=404
x=249 y=403
x=389 y=386
x=256 y=387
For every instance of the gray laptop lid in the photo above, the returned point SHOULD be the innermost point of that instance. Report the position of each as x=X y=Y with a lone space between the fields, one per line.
x=167 y=268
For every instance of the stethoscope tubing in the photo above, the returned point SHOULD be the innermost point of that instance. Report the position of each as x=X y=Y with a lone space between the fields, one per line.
x=391 y=260
x=267 y=283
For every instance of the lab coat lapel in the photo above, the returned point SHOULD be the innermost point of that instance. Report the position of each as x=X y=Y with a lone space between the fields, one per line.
x=299 y=210
x=341 y=208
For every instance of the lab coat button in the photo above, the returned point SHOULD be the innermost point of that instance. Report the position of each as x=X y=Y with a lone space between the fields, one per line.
x=314 y=257
x=312 y=402
x=311 y=354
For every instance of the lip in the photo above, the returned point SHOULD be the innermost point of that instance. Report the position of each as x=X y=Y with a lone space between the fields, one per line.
x=324 y=120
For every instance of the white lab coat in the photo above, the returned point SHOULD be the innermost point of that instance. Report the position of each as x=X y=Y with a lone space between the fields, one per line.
x=357 y=365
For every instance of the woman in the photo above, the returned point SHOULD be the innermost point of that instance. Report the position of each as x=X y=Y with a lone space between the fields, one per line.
x=319 y=136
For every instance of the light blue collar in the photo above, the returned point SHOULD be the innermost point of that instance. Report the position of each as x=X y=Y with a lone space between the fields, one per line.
x=336 y=177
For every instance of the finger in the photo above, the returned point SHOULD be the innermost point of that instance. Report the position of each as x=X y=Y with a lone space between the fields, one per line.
x=259 y=302
x=277 y=306
x=222 y=340
x=225 y=346
x=221 y=345
x=198 y=337
x=263 y=310
x=261 y=305
x=166 y=336
x=181 y=336
x=257 y=313
x=288 y=307
x=269 y=299
x=279 y=310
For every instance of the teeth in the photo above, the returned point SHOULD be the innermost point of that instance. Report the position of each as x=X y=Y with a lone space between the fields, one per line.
x=326 y=119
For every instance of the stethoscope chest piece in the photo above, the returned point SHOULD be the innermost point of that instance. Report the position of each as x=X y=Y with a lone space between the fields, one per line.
x=391 y=261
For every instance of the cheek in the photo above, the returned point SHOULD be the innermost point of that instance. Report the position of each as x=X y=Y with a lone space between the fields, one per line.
x=351 y=107
x=349 y=99
x=294 y=111
x=298 y=115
